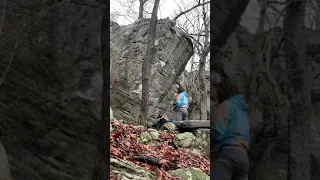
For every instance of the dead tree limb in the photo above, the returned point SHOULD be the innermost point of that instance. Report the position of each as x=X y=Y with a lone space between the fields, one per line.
x=188 y=10
x=192 y=124
x=156 y=162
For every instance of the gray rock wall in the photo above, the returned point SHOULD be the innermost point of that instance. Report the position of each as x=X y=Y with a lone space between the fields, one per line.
x=47 y=129
x=174 y=49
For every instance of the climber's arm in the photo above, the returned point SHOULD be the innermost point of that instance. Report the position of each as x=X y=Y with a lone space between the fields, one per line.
x=178 y=101
x=219 y=126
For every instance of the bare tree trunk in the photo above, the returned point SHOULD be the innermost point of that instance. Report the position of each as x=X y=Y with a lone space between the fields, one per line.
x=299 y=121
x=141 y=8
x=203 y=89
x=151 y=51
x=202 y=69
x=258 y=54
x=102 y=161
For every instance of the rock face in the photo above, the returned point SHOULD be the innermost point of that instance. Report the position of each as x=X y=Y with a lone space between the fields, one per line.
x=50 y=107
x=128 y=47
x=4 y=164
x=190 y=174
x=202 y=138
x=48 y=111
x=269 y=152
x=127 y=170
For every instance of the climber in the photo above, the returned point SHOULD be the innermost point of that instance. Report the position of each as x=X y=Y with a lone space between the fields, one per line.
x=230 y=134
x=181 y=105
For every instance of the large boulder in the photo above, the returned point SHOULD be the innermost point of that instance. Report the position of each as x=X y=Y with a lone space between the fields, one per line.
x=50 y=98
x=184 y=140
x=128 y=48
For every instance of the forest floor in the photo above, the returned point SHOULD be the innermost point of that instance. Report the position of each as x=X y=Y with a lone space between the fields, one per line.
x=159 y=156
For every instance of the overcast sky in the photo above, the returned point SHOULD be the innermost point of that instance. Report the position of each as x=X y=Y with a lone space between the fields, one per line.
x=166 y=9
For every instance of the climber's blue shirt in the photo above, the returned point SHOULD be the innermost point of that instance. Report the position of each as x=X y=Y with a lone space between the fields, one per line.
x=231 y=127
x=182 y=100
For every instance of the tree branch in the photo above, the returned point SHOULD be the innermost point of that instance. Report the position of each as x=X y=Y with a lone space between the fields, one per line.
x=188 y=10
x=196 y=34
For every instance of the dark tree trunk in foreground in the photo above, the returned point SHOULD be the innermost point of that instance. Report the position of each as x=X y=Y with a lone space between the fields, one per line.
x=299 y=120
x=258 y=53
x=151 y=51
x=227 y=16
x=102 y=161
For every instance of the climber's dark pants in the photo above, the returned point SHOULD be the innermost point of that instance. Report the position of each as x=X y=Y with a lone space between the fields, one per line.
x=182 y=114
x=230 y=164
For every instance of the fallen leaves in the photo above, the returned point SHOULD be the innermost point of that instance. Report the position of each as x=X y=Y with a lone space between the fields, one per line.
x=124 y=145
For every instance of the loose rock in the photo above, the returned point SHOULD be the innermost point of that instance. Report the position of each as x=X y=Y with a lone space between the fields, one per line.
x=190 y=174
x=169 y=126
x=144 y=138
x=184 y=140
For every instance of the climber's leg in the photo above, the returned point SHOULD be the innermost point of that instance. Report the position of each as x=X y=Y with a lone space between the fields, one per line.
x=222 y=169
x=231 y=164
x=179 y=115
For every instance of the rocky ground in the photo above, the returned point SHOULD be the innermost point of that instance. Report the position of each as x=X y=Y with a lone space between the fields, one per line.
x=141 y=153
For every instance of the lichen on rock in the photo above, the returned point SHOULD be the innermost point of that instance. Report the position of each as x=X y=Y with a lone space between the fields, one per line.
x=190 y=174
x=153 y=133
x=168 y=126
x=183 y=140
x=144 y=138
